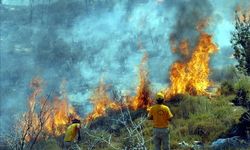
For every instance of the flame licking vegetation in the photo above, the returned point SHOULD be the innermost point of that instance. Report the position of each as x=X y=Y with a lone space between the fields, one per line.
x=50 y=117
x=192 y=76
x=142 y=99
x=60 y=115
x=101 y=102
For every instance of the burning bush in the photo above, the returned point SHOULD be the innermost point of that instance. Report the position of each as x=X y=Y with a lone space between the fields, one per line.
x=43 y=119
x=142 y=99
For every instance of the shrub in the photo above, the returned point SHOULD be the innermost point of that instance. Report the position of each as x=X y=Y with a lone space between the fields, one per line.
x=243 y=92
x=227 y=88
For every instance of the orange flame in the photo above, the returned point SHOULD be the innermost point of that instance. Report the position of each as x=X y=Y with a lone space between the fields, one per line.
x=30 y=121
x=192 y=76
x=101 y=102
x=142 y=98
x=51 y=118
x=60 y=116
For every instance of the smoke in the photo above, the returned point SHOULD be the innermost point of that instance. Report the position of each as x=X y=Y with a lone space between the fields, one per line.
x=191 y=17
x=80 y=43
x=80 y=46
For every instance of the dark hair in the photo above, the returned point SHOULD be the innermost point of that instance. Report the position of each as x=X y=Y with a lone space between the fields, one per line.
x=75 y=121
x=159 y=101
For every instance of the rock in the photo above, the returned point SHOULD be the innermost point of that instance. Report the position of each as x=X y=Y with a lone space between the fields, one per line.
x=198 y=145
x=230 y=143
x=184 y=144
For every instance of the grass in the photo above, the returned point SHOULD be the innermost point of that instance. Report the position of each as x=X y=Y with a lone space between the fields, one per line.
x=196 y=118
x=202 y=119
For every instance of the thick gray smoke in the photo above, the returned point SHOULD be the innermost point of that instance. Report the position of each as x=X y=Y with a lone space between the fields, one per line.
x=190 y=14
x=80 y=42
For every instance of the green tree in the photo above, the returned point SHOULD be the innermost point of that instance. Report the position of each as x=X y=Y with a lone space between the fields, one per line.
x=241 y=42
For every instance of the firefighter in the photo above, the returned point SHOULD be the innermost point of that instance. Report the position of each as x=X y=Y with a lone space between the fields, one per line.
x=71 y=133
x=161 y=116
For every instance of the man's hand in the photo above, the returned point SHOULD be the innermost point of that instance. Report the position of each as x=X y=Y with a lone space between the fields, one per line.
x=79 y=135
x=79 y=138
x=150 y=117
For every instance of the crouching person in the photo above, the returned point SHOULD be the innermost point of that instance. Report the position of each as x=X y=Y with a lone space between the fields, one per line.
x=73 y=131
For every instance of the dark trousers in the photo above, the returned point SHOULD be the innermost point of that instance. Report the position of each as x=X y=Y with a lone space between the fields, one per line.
x=161 y=138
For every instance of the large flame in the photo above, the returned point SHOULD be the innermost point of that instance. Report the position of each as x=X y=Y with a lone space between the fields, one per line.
x=192 y=76
x=142 y=98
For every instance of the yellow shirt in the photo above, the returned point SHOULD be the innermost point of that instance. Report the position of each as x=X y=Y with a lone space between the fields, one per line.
x=161 y=115
x=71 y=132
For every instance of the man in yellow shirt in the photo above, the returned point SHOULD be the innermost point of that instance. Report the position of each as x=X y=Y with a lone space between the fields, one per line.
x=70 y=136
x=161 y=115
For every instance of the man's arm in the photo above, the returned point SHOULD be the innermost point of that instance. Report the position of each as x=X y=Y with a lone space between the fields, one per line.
x=150 y=116
x=79 y=134
x=170 y=114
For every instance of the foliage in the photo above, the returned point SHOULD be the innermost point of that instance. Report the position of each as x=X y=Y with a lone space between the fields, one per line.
x=243 y=93
x=241 y=42
x=227 y=87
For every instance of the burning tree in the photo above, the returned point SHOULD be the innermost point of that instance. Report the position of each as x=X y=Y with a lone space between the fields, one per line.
x=241 y=41
x=30 y=126
x=43 y=119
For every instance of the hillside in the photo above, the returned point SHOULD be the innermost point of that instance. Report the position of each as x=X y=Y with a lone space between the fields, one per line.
x=198 y=122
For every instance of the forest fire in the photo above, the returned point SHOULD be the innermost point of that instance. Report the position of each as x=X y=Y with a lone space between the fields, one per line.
x=192 y=76
x=49 y=117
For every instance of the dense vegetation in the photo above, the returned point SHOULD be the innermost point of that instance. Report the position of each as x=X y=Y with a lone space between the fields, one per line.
x=241 y=42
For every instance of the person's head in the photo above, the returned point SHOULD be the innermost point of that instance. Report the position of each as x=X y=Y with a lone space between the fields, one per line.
x=76 y=121
x=159 y=98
